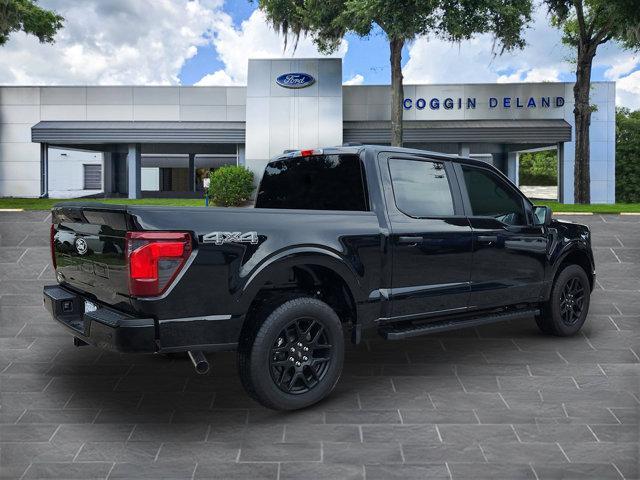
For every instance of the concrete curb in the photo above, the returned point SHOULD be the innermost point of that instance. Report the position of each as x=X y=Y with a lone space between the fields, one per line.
x=574 y=213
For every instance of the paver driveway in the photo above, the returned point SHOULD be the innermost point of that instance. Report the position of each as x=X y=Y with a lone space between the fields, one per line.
x=494 y=402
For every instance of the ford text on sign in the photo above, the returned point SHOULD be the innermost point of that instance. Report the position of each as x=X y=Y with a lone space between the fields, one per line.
x=295 y=80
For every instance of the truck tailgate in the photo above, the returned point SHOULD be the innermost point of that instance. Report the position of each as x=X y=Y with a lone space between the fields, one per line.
x=88 y=245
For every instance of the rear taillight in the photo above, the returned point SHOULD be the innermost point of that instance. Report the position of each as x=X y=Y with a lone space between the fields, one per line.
x=52 y=245
x=154 y=259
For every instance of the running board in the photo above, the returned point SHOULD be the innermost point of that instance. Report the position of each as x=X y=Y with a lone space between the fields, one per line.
x=400 y=331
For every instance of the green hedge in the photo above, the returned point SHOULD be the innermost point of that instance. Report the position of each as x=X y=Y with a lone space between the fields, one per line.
x=539 y=168
x=627 y=156
x=230 y=186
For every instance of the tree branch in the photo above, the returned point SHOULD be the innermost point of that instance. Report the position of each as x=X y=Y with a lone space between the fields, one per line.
x=604 y=34
x=580 y=14
x=605 y=39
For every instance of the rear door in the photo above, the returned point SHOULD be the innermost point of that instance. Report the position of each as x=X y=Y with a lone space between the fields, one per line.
x=509 y=251
x=430 y=237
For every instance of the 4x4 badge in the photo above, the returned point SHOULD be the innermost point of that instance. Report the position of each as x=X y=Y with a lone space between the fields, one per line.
x=220 y=238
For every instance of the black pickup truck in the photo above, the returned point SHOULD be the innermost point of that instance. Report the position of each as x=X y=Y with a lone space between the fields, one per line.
x=405 y=242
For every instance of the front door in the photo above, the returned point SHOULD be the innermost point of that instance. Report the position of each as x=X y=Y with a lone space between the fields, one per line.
x=430 y=238
x=508 y=249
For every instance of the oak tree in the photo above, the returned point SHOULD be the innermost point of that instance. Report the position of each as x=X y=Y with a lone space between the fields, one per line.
x=328 y=21
x=587 y=24
x=27 y=16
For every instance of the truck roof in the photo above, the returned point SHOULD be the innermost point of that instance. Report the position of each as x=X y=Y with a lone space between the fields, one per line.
x=357 y=149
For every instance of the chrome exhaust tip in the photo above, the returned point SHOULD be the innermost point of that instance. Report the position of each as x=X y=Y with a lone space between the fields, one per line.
x=200 y=362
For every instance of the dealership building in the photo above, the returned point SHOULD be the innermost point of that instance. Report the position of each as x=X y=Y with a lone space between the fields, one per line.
x=145 y=141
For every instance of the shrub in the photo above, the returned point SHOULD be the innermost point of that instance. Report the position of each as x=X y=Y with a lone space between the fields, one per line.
x=539 y=168
x=230 y=186
x=627 y=156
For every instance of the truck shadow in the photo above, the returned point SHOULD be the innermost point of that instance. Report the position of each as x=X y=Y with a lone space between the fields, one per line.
x=378 y=375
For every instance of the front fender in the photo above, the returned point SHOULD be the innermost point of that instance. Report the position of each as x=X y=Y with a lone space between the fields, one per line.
x=558 y=257
x=568 y=249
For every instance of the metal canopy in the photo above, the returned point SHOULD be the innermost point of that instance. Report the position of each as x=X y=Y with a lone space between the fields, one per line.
x=495 y=131
x=137 y=132
x=477 y=131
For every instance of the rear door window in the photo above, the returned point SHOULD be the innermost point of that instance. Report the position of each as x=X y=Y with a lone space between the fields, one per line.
x=421 y=188
x=319 y=182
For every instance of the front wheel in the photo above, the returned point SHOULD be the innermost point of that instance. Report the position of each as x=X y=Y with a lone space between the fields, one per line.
x=294 y=357
x=566 y=310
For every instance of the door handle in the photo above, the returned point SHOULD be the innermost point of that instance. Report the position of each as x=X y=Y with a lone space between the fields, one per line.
x=409 y=239
x=488 y=239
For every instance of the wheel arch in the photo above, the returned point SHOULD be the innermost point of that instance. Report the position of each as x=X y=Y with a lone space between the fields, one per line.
x=576 y=254
x=315 y=273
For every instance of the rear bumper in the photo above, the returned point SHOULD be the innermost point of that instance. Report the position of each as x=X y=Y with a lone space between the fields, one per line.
x=105 y=328
x=120 y=332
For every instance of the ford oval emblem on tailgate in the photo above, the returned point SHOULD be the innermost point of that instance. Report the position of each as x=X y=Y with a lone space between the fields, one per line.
x=81 y=246
x=295 y=80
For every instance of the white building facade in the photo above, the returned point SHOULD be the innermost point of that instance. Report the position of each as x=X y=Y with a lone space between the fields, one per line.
x=162 y=141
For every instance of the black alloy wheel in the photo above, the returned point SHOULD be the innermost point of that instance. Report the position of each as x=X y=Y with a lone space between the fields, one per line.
x=572 y=301
x=290 y=356
x=566 y=310
x=301 y=356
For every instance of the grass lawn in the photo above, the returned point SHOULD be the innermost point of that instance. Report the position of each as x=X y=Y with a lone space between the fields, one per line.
x=47 y=203
x=595 y=208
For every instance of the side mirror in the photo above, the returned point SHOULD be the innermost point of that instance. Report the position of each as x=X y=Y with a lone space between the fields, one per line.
x=542 y=215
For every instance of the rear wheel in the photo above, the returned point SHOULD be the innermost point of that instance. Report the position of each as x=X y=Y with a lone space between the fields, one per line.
x=293 y=358
x=568 y=305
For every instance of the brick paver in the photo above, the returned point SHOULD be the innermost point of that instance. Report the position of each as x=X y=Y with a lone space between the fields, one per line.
x=501 y=401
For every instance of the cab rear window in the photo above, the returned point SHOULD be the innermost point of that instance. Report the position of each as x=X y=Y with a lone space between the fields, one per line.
x=319 y=182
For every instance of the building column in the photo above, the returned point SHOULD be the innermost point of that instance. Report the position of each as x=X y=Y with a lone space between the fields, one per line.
x=134 y=164
x=512 y=167
x=240 y=156
x=192 y=172
x=463 y=149
x=44 y=170
x=107 y=173
x=560 y=156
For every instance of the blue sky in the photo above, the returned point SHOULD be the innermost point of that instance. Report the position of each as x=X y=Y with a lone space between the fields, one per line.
x=367 y=56
x=208 y=42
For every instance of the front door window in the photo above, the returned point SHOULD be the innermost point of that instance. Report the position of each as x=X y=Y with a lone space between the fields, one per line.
x=491 y=197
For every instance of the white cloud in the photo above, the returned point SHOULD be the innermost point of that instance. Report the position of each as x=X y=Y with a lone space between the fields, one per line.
x=219 y=77
x=621 y=70
x=253 y=39
x=628 y=91
x=545 y=58
x=436 y=61
x=622 y=65
x=115 y=42
x=149 y=41
x=531 y=75
x=357 y=79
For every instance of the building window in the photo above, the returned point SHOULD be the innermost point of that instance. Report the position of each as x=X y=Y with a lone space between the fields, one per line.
x=420 y=188
x=92 y=177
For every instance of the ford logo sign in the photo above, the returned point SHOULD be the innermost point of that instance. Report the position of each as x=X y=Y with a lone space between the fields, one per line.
x=295 y=80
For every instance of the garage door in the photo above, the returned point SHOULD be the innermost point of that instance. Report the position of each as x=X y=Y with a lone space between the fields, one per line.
x=93 y=177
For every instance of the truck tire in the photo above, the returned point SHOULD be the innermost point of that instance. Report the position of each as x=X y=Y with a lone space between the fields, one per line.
x=292 y=358
x=566 y=310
